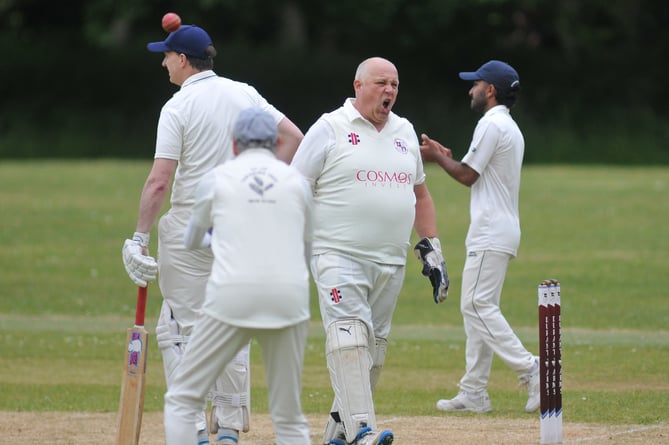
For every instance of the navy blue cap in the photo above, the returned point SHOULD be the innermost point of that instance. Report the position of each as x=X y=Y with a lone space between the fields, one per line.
x=255 y=125
x=188 y=39
x=497 y=73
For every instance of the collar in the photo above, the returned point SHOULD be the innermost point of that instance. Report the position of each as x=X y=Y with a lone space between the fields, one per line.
x=257 y=151
x=352 y=113
x=198 y=77
x=497 y=109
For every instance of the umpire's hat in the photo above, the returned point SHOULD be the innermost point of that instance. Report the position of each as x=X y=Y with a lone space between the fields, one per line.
x=255 y=127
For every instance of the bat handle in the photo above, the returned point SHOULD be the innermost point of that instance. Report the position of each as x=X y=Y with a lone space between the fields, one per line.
x=141 y=306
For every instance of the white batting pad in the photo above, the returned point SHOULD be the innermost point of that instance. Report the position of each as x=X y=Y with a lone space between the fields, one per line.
x=170 y=341
x=378 y=360
x=349 y=362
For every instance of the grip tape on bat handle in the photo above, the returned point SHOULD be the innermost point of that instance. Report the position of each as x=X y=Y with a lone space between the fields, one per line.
x=141 y=306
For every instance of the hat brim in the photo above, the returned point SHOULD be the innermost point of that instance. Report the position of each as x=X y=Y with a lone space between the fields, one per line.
x=469 y=76
x=157 y=47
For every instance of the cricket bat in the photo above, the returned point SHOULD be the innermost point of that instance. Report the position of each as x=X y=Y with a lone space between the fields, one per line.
x=131 y=405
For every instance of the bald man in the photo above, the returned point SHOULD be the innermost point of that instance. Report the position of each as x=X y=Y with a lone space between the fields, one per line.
x=364 y=165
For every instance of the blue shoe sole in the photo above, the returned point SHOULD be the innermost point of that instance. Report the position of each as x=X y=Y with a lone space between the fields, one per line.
x=386 y=438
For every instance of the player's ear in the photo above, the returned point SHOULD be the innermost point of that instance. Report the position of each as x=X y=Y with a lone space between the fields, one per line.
x=235 y=150
x=183 y=59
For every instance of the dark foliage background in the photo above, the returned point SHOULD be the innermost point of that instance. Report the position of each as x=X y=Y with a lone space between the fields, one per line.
x=77 y=80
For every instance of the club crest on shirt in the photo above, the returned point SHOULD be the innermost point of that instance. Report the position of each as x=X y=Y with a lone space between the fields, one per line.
x=335 y=294
x=401 y=146
x=259 y=186
x=260 y=181
x=353 y=138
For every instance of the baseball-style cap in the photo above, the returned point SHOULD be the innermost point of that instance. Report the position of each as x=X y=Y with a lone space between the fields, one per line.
x=188 y=39
x=500 y=74
x=255 y=125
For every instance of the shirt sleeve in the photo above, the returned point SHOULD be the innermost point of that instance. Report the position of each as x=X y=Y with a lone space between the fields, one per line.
x=262 y=103
x=482 y=148
x=309 y=212
x=420 y=168
x=310 y=156
x=169 y=135
x=200 y=217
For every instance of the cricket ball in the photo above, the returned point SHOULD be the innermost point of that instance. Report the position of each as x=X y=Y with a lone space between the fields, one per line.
x=171 y=22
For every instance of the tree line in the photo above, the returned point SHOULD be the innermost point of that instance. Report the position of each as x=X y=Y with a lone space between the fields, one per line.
x=78 y=81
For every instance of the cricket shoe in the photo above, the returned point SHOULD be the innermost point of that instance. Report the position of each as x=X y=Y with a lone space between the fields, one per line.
x=226 y=440
x=531 y=381
x=368 y=437
x=466 y=402
x=202 y=437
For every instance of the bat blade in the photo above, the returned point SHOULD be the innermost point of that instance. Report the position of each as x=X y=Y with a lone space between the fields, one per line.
x=131 y=404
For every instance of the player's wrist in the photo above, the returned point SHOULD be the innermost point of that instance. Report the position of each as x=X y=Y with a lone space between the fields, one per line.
x=142 y=238
x=436 y=244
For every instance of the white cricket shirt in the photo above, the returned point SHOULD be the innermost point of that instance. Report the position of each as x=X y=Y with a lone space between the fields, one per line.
x=260 y=209
x=195 y=128
x=496 y=153
x=363 y=183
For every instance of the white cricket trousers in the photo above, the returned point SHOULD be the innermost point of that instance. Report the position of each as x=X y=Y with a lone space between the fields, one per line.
x=486 y=329
x=214 y=344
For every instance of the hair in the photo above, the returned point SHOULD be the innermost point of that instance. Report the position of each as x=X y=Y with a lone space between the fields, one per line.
x=268 y=144
x=508 y=97
x=203 y=64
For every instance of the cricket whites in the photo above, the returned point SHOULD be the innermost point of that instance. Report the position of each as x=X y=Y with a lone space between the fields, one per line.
x=131 y=405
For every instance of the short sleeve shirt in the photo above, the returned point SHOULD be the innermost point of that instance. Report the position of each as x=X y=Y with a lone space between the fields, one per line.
x=363 y=182
x=496 y=154
x=195 y=129
x=260 y=210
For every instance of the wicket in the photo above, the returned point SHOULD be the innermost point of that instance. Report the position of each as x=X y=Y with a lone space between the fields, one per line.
x=550 y=358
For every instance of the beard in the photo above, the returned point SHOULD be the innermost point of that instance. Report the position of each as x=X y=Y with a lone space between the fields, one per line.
x=478 y=102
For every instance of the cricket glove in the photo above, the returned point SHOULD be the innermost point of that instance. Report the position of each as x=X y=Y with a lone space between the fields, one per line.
x=434 y=266
x=141 y=268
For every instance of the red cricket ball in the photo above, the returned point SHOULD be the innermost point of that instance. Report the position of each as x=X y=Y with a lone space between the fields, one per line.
x=171 y=22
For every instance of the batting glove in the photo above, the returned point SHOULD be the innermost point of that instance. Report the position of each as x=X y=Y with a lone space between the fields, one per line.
x=140 y=268
x=434 y=267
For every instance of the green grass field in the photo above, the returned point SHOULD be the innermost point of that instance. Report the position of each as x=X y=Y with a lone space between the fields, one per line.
x=602 y=231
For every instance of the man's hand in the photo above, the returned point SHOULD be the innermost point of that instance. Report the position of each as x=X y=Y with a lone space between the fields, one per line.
x=140 y=267
x=434 y=267
x=432 y=151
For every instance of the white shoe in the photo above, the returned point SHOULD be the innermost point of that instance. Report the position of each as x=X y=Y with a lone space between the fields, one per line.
x=464 y=401
x=202 y=437
x=367 y=436
x=531 y=381
x=226 y=439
